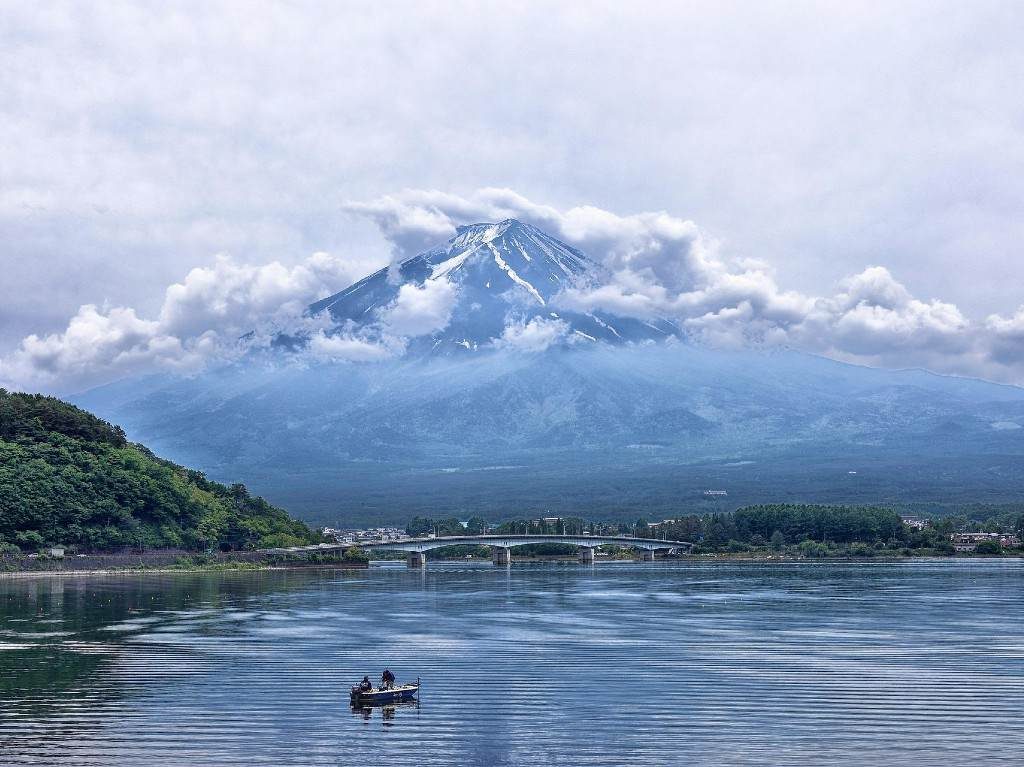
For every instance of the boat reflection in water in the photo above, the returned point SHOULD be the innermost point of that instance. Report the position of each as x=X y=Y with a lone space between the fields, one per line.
x=387 y=712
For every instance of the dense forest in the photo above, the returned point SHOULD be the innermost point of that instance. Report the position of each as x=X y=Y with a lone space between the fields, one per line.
x=67 y=477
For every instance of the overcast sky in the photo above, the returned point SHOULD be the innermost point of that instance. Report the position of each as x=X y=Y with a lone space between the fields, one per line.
x=137 y=143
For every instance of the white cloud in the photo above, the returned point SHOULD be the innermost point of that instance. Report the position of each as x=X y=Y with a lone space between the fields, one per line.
x=201 y=318
x=536 y=335
x=654 y=265
x=659 y=265
x=111 y=342
x=420 y=310
x=345 y=347
x=411 y=222
x=135 y=140
x=876 y=315
x=1007 y=335
x=234 y=298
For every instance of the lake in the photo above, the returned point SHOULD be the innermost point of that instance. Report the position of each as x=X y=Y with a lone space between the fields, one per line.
x=911 y=663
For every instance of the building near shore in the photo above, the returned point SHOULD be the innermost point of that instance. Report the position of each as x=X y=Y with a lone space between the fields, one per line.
x=355 y=537
x=969 y=541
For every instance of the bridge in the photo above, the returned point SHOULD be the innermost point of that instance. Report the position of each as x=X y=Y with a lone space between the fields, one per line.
x=501 y=545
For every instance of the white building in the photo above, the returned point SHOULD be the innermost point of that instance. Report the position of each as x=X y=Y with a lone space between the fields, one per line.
x=970 y=541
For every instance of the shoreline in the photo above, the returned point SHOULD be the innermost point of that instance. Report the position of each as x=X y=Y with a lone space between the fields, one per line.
x=173 y=570
x=709 y=558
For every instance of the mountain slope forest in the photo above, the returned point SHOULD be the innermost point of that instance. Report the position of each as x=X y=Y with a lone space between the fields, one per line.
x=69 y=477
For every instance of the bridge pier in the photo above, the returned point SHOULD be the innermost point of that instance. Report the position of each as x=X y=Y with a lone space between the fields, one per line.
x=501 y=555
x=587 y=555
x=416 y=559
x=646 y=555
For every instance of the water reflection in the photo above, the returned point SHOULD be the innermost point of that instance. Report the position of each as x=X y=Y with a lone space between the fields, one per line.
x=386 y=713
x=848 y=664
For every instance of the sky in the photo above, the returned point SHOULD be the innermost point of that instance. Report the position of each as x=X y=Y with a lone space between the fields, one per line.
x=846 y=178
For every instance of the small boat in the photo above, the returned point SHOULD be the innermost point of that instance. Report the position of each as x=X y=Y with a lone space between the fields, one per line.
x=381 y=696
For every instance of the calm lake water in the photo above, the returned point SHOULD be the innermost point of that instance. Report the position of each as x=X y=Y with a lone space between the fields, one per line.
x=846 y=664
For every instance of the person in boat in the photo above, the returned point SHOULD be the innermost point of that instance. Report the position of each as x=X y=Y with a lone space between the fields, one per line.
x=387 y=679
x=366 y=685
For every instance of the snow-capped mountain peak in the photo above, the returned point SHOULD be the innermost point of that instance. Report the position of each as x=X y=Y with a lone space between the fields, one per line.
x=509 y=255
x=505 y=274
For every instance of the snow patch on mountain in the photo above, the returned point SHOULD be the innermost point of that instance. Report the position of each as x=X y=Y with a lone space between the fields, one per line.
x=515 y=277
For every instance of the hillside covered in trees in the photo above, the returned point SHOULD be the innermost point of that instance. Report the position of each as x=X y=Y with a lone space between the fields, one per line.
x=67 y=477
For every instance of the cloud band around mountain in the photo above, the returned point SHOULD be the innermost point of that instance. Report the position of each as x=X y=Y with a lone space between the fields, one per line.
x=665 y=266
x=659 y=265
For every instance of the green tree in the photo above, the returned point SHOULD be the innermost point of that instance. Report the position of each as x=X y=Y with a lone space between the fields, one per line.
x=843 y=524
x=476 y=526
x=778 y=541
x=813 y=549
x=355 y=554
x=71 y=478
x=419 y=526
x=989 y=548
x=30 y=539
x=9 y=550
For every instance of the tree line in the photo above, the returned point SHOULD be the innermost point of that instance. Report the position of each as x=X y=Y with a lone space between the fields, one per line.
x=68 y=477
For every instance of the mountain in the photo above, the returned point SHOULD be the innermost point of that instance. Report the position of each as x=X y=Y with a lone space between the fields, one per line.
x=69 y=477
x=502 y=272
x=606 y=432
x=611 y=426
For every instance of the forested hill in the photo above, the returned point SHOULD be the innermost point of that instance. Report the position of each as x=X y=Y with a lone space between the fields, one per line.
x=67 y=477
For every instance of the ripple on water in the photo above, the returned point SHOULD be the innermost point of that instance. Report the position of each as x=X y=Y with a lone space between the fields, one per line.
x=846 y=664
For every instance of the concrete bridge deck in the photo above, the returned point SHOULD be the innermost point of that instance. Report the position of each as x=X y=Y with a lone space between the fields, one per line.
x=500 y=545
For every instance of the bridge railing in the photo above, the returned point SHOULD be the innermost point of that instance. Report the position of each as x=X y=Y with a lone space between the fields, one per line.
x=495 y=541
x=512 y=541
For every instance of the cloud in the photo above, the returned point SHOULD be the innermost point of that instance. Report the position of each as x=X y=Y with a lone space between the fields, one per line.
x=420 y=310
x=537 y=335
x=1007 y=334
x=410 y=222
x=876 y=315
x=137 y=140
x=115 y=341
x=234 y=297
x=220 y=313
x=660 y=265
x=345 y=347
x=202 y=318
x=651 y=265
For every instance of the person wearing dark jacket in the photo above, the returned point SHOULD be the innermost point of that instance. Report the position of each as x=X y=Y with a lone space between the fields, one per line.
x=387 y=679
x=366 y=685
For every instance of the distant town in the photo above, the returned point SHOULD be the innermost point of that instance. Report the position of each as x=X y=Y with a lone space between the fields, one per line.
x=370 y=534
